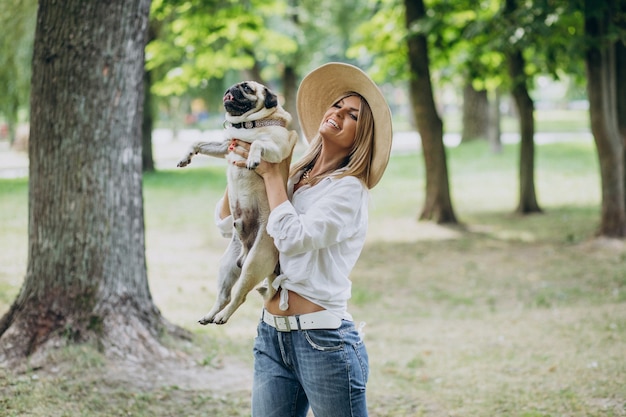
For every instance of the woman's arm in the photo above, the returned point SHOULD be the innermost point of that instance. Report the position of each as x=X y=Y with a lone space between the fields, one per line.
x=225 y=207
x=274 y=183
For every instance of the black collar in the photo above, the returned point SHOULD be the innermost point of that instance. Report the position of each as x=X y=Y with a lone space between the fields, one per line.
x=256 y=123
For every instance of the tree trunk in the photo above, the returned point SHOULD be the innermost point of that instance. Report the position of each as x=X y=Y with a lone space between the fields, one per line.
x=86 y=278
x=475 y=113
x=494 y=131
x=254 y=73
x=147 y=126
x=601 y=90
x=437 y=206
x=290 y=73
x=147 y=156
x=290 y=86
x=620 y=57
x=527 y=197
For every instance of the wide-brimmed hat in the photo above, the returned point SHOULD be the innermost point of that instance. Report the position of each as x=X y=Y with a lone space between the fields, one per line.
x=319 y=90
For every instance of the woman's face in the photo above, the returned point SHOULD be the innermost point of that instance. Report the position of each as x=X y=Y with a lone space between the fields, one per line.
x=339 y=122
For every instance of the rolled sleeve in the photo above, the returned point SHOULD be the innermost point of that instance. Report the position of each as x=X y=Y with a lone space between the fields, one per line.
x=225 y=225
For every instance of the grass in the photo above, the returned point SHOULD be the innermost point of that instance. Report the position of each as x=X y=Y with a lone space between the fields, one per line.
x=506 y=315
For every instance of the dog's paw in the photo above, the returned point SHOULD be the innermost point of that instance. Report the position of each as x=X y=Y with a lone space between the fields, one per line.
x=208 y=319
x=252 y=163
x=185 y=161
x=220 y=318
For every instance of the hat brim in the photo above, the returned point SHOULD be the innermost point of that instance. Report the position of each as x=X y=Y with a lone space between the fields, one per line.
x=319 y=90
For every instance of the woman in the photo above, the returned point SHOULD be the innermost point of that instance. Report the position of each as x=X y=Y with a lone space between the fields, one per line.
x=308 y=352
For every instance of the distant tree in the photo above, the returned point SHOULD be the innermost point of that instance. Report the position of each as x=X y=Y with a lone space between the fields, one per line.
x=438 y=205
x=86 y=277
x=475 y=113
x=17 y=26
x=514 y=15
x=620 y=80
x=602 y=22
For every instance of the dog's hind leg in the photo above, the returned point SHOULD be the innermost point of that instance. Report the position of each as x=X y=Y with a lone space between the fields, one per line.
x=229 y=273
x=259 y=264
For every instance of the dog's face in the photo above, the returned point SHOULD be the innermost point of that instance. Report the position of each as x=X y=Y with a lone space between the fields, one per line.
x=248 y=97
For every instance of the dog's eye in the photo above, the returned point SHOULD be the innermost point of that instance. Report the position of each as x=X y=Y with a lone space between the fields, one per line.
x=247 y=89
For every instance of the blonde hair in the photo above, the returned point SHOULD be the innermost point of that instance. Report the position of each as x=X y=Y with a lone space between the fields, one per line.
x=359 y=159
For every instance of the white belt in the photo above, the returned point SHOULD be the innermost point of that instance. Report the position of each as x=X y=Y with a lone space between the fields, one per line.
x=320 y=320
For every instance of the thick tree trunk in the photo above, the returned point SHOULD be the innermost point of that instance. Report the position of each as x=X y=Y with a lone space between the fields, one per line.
x=437 y=206
x=527 y=196
x=475 y=113
x=86 y=276
x=601 y=90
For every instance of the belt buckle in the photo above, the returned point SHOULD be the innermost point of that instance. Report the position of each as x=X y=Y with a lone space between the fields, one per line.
x=282 y=323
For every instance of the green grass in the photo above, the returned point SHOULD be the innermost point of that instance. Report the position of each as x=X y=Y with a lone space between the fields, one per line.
x=506 y=315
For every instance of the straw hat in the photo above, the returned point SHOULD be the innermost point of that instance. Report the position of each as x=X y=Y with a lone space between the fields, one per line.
x=319 y=90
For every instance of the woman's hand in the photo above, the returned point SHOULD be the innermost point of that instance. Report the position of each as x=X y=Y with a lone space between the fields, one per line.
x=270 y=172
x=242 y=149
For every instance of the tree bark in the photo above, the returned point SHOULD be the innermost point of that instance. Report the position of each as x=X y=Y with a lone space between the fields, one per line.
x=290 y=87
x=620 y=79
x=147 y=157
x=437 y=206
x=525 y=108
x=86 y=278
x=475 y=113
x=601 y=90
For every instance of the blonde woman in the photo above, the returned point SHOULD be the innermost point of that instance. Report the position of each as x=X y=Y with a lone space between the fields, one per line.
x=308 y=352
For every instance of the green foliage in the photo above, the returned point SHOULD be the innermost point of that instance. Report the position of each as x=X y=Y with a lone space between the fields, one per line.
x=199 y=41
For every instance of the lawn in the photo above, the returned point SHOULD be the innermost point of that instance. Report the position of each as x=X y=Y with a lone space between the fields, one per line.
x=501 y=315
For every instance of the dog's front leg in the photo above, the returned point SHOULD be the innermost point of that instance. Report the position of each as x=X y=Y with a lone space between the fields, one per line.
x=228 y=275
x=216 y=149
x=272 y=149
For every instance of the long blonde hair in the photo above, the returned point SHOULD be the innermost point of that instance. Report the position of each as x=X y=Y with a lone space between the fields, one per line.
x=359 y=159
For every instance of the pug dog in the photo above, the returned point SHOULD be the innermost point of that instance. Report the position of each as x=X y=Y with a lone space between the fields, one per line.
x=253 y=115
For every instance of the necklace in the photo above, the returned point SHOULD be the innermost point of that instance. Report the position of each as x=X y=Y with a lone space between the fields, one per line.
x=305 y=178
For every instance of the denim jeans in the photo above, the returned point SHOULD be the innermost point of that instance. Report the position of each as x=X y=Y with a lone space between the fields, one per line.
x=324 y=369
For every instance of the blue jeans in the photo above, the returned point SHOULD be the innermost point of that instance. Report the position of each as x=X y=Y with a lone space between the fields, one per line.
x=324 y=369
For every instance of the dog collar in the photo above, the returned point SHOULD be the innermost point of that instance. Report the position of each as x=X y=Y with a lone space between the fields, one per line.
x=256 y=123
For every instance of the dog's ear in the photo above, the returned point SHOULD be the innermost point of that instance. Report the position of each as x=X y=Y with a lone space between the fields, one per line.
x=271 y=100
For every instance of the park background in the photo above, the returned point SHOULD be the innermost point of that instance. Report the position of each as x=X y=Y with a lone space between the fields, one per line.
x=501 y=312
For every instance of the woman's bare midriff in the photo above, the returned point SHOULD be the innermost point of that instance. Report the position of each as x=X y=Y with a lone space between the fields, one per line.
x=297 y=305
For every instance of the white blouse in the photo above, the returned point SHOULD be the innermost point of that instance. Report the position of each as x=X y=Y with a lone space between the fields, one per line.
x=319 y=234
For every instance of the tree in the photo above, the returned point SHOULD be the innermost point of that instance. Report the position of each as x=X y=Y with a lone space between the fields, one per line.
x=437 y=206
x=475 y=113
x=525 y=107
x=86 y=278
x=602 y=84
x=17 y=20
x=620 y=80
